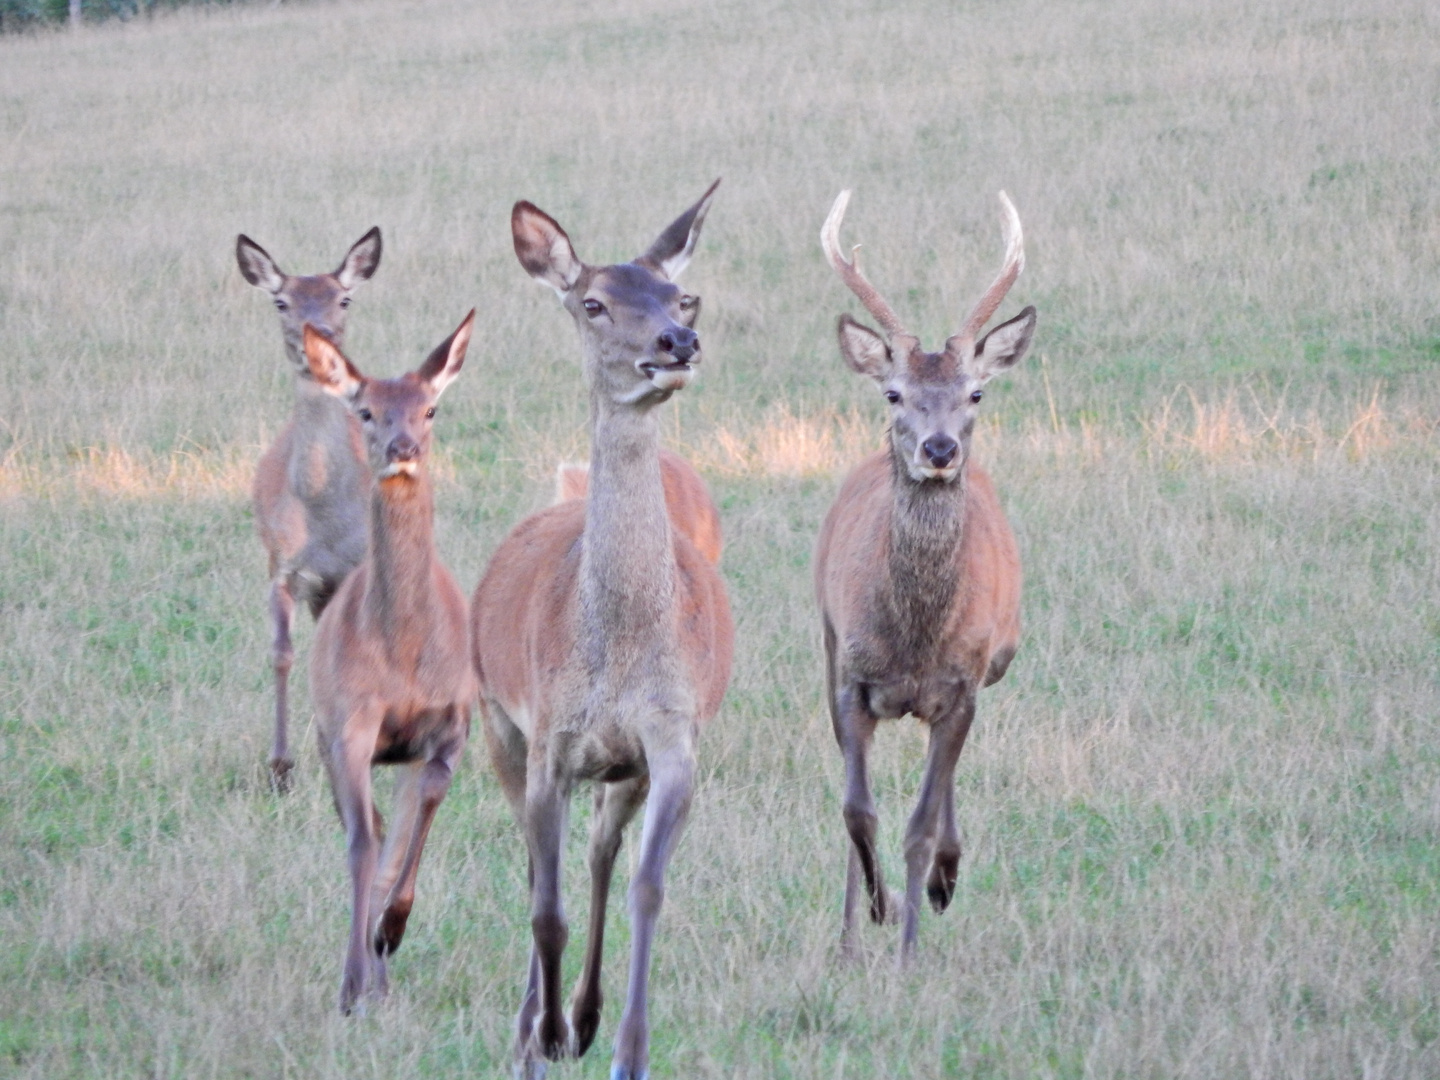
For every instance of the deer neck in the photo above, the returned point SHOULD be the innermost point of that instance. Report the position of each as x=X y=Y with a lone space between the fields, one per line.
x=927 y=527
x=399 y=602
x=627 y=568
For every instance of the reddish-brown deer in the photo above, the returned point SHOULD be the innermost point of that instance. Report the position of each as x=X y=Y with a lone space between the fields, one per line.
x=390 y=672
x=311 y=485
x=603 y=636
x=917 y=575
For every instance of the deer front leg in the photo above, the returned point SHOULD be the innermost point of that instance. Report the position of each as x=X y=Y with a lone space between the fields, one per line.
x=282 y=657
x=418 y=797
x=549 y=1037
x=615 y=805
x=947 y=738
x=940 y=887
x=854 y=728
x=351 y=776
x=672 y=783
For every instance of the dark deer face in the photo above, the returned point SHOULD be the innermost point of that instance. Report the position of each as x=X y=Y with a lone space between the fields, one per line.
x=321 y=300
x=637 y=328
x=395 y=414
x=934 y=397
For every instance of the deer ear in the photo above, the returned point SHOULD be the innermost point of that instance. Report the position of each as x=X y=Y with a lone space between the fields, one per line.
x=1003 y=347
x=335 y=374
x=671 y=252
x=864 y=350
x=256 y=265
x=442 y=365
x=361 y=261
x=543 y=248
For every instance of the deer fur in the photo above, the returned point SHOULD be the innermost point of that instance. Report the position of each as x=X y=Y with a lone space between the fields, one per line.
x=602 y=635
x=390 y=672
x=918 y=578
x=311 y=486
x=687 y=499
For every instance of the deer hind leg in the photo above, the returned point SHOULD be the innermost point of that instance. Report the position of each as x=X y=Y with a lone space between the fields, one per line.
x=508 y=754
x=672 y=783
x=548 y=1035
x=854 y=729
x=947 y=738
x=282 y=658
x=350 y=773
x=615 y=805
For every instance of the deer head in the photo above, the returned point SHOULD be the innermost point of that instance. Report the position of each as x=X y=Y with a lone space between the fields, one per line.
x=934 y=396
x=637 y=328
x=320 y=300
x=395 y=414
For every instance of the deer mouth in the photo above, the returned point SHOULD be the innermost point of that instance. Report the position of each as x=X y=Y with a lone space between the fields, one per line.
x=668 y=376
x=399 y=468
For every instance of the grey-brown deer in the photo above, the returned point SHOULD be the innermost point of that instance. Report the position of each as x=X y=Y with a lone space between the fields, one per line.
x=602 y=635
x=311 y=485
x=390 y=672
x=917 y=575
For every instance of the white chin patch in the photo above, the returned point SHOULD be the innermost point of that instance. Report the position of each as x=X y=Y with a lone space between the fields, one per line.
x=927 y=472
x=672 y=378
x=398 y=468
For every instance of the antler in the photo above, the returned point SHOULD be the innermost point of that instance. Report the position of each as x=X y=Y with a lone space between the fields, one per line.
x=849 y=270
x=1014 y=263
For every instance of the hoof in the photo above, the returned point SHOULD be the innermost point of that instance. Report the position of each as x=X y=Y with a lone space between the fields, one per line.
x=888 y=913
x=390 y=931
x=280 y=774
x=621 y=1072
x=941 y=886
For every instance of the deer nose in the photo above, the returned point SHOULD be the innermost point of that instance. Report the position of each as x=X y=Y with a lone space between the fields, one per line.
x=680 y=342
x=940 y=449
x=402 y=448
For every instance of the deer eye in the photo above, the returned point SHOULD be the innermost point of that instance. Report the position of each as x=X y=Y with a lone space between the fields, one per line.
x=977 y=395
x=364 y=415
x=430 y=413
x=594 y=308
x=345 y=303
x=688 y=302
x=281 y=305
x=892 y=396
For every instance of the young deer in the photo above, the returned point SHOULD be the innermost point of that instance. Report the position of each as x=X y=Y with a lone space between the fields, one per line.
x=688 y=501
x=917 y=575
x=390 y=671
x=311 y=484
x=602 y=636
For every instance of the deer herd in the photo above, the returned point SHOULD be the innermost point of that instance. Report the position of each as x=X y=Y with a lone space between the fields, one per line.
x=599 y=640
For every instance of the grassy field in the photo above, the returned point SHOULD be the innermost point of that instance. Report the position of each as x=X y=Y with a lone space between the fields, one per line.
x=1201 y=813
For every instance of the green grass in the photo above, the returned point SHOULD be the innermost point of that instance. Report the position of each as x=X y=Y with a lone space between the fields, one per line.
x=1200 y=814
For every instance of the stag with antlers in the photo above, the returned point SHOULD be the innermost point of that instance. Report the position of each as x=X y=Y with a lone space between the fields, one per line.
x=917 y=576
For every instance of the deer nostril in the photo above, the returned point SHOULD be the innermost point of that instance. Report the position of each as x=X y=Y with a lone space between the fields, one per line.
x=403 y=448
x=684 y=344
x=940 y=449
x=665 y=342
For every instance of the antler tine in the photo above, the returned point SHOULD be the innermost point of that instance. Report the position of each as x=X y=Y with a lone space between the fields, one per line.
x=1014 y=264
x=849 y=269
